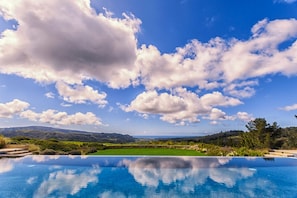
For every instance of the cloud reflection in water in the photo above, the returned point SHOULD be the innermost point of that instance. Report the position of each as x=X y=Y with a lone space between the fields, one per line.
x=67 y=182
x=190 y=171
x=6 y=165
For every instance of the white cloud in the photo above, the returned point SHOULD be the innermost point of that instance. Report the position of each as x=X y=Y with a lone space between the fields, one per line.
x=62 y=118
x=214 y=122
x=80 y=44
x=50 y=95
x=65 y=105
x=194 y=64
x=217 y=99
x=289 y=108
x=227 y=64
x=80 y=94
x=216 y=114
x=68 y=40
x=260 y=55
x=241 y=90
x=244 y=116
x=178 y=108
x=220 y=62
x=15 y=107
x=181 y=106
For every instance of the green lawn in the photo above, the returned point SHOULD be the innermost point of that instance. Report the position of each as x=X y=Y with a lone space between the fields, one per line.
x=148 y=151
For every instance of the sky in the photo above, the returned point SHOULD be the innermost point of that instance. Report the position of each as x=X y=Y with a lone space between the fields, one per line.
x=168 y=68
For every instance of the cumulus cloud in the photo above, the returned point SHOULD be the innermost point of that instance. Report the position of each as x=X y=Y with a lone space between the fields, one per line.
x=227 y=64
x=80 y=94
x=181 y=106
x=217 y=99
x=289 y=107
x=244 y=116
x=216 y=114
x=20 y=108
x=86 y=45
x=55 y=117
x=261 y=55
x=219 y=62
x=15 y=107
x=195 y=64
x=241 y=90
x=172 y=108
x=68 y=40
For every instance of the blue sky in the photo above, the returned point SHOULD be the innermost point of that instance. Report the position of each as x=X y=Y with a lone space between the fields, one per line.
x=178 y=67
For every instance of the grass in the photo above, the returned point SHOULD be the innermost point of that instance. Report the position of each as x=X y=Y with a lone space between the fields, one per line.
x=148 y=151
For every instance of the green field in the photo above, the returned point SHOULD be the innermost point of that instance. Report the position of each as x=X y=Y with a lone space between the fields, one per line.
x=148 y=151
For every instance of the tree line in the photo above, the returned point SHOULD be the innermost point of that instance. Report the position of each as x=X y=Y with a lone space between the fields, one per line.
x=261 y=134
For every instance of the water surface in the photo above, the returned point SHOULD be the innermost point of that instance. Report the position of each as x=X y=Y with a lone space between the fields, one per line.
x=95 y=176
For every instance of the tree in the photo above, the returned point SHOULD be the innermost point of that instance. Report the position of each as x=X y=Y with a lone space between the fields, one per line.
x=261 y=134
x=257 y=130
x=274 y=133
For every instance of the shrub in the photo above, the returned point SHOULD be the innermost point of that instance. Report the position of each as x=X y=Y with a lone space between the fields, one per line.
x=243 y=151
x=2 y=142
x=34 y=148
x=48 y=152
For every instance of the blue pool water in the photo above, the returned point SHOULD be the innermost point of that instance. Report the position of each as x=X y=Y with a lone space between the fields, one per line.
x=110 y=177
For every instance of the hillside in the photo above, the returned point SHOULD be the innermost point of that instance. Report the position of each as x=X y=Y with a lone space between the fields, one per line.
x=286 y=138
x=40 y=132
x=230 y=138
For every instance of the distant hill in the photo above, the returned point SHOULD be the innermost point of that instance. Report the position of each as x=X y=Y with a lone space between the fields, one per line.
x=228 y=138
x=40 y=132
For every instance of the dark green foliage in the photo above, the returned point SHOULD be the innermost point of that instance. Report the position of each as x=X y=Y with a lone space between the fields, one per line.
x=75 y=152
x=262 y=135
x=289 y=137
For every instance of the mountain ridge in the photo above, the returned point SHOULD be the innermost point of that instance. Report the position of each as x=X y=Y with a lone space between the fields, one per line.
x=41 y=132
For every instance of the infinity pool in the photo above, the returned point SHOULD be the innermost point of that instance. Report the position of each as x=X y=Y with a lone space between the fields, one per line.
x=117 y=177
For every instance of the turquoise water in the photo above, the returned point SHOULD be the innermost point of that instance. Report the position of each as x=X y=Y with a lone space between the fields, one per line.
x=80 y=176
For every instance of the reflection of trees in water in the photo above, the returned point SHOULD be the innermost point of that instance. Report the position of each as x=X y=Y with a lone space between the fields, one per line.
x=190 y=171
x=268 y=158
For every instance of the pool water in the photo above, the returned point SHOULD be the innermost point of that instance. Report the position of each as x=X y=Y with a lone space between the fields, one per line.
x=126 y=176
